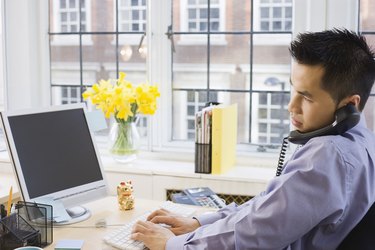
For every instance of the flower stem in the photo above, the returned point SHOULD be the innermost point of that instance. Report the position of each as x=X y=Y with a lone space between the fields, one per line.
x=124 y=144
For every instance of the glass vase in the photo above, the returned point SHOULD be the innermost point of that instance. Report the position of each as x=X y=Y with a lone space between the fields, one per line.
x=124 y=141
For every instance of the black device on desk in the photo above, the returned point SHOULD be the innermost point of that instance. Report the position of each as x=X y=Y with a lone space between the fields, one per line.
x=200 y=196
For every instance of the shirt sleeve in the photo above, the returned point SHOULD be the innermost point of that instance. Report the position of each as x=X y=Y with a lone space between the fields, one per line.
x=311 y=189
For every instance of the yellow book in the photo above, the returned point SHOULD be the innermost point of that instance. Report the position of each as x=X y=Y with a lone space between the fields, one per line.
x=224 y=138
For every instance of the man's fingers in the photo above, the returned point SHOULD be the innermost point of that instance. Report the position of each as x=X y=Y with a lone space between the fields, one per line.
x=140 y=226
x=140 y=230
x=163 y=219
x=157 y=213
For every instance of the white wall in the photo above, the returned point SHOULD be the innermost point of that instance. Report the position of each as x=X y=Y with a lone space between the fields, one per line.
x=317 y=15
x=26 y=53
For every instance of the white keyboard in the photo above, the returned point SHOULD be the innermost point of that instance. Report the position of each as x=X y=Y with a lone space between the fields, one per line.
x=120 y=238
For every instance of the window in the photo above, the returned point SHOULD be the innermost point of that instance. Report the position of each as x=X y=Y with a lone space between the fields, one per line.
x=275 y=15
x=77 y=64
x=70 y=95
x=197 y=17
x=200 y=16
x=367 y=28
x=235 y=71
x=70 y=16
x=132 y=15
x=273 y=118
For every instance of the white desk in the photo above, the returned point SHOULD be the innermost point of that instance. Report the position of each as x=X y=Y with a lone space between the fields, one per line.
x=102 y=209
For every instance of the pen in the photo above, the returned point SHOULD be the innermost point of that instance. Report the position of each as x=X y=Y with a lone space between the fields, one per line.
x=9 y=204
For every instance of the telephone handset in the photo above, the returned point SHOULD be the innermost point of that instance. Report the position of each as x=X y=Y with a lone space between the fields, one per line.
x=346 y=117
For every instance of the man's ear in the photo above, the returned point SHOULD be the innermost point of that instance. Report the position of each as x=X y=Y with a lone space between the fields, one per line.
x=353 y=99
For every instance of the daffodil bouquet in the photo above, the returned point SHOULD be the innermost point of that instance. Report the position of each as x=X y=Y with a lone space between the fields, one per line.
x=122 y=100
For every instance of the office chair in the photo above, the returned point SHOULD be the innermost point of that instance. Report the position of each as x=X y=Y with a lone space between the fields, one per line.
x=362 y=236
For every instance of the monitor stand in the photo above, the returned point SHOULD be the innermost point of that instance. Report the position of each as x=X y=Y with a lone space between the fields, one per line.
x=78 y=214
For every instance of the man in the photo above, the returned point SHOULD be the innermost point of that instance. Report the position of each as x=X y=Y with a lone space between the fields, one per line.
x=327 y=185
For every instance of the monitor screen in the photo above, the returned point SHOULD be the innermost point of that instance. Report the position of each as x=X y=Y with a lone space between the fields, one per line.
x=54 y=154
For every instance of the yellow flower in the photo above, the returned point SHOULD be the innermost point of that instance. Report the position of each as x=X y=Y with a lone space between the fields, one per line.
x=122 y=99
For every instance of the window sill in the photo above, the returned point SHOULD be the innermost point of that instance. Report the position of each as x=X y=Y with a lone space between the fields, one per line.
x=256 y=170
x=149 y=163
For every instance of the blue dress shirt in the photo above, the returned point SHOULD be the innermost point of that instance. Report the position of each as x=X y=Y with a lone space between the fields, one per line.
x=324 y=191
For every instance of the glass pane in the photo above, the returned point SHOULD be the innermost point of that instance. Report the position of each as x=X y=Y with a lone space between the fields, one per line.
x=73 y=16
x=243 y=114
x=276 y=12
x=103 y=16
x=238 y=19
x=270 y=123
x=264 y=12
x=369 y=112
x=203 y=13
x=230 y=63
x=288 y=25
x=99 y=59
x=288 y=12
x=271 y=64
x=65 y=95
x=180 y=115
x=192 y=13
x=214 y=26
x=263 y=127
x=135 y=14
x=202 y=26
x=239 y=16
x=367 y=22
x=264 y=26
x=133 y=60
x=214 y=12
x=276 y=26
x=370 y=39
x=132 y=16
x=190 y=62
x=63 y=4
x=64 y=17
x=65 y=67
x=262 y=113
x=263 y=98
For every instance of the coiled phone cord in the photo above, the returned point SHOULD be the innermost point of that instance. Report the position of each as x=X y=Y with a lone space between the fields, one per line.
x=280 y=164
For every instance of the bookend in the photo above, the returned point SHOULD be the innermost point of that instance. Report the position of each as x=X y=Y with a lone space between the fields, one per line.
x=203 y=158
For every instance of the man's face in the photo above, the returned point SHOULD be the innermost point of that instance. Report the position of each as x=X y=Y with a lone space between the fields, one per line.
x=310 y=106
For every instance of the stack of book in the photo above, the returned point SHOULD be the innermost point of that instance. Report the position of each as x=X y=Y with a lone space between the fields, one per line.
x=216 y=139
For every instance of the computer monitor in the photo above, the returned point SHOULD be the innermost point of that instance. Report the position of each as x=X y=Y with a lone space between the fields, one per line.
x=54 y=155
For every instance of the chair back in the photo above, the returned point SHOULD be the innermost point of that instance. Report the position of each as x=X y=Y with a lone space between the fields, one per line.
x=362 y=236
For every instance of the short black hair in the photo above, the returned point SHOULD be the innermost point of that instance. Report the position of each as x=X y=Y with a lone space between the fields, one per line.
x=348 y=62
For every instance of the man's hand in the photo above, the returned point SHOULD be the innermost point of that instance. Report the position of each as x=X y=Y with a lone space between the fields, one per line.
x=178 y=224
x=152 y=235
